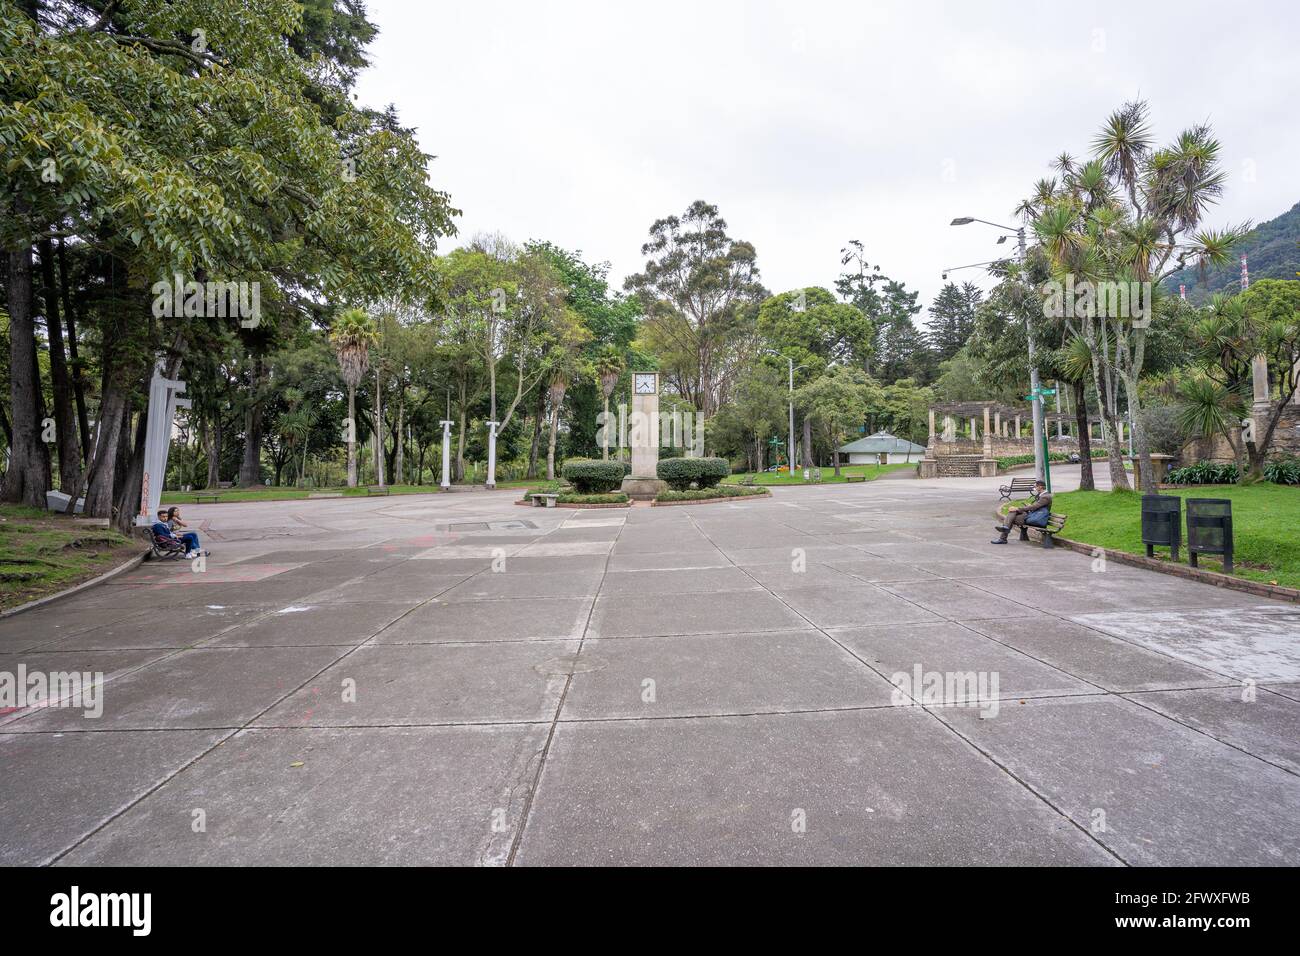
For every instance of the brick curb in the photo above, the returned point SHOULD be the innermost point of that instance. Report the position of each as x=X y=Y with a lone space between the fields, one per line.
x=122 y=568
x=708 y=501
x=529 y=504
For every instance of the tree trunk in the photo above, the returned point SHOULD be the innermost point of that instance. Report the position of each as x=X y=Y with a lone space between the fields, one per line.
x=28 y=476
x=604 y=448
x=378 y=431
x=550 y=445
x=250 y=469
x=78 y=375
x=399 y=463
x=99 y=493
x=130 y=492
x=352 y=436
x=534 y=449
x=460 y=440
x=807 y=443
x=65 y=423
x=1086 y=482
x=213 y=444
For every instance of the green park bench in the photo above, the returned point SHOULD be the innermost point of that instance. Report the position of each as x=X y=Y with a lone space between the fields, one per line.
x=1055 y=523
x=376 y=490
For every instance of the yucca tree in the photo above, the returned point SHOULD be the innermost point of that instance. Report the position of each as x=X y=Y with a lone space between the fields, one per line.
x=1075 y=364
x=608 y=367
x=353 y=335
x=1131 y=214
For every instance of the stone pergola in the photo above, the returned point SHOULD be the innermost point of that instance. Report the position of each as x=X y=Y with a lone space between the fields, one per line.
x=967 y=438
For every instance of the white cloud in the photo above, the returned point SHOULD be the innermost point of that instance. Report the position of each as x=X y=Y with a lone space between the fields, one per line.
x=812 y=123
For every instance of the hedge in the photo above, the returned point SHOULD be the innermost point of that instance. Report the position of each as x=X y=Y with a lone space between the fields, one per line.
x=681 y=473
x=706 y=494
x=614 y=498
x=593 y=477
x=1012 y=460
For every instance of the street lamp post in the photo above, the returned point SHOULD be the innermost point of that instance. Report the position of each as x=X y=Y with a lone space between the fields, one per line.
x=793 y=368
x=1040 y=456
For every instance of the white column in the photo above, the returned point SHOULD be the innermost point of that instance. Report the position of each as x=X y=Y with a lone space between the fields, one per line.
x=492 y=454
x=446 y=455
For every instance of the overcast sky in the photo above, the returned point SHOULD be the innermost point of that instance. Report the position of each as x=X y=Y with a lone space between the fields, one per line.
x=809 y=124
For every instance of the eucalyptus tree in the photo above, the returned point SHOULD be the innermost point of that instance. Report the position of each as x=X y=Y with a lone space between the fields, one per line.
x=1131 y=214
x=694 y=288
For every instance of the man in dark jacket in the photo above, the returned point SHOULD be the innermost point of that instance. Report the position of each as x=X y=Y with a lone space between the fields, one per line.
x=1033 y=515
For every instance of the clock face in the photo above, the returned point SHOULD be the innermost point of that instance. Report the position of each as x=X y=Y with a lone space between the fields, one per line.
x=645 y=384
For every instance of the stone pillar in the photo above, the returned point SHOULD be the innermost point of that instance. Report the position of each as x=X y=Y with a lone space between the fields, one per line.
x=446 y=455
x=972 y=428
x=644 y=481
x=492 y=455
x=997 y=423
x=1017 y=426
x=1259 y=409
x=932 y=423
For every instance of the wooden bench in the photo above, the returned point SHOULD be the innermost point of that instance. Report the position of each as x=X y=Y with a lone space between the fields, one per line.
x=1055 y=523
x=200 y=496
x=376 y=490
x=748 y=480
x=544 y=499
x=855 y=477
x=1017 y=486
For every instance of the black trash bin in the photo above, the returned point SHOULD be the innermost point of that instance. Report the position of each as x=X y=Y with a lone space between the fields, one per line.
x=1162 y=523
x=1209 y=529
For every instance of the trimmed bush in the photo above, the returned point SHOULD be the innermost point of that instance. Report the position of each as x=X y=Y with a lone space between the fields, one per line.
x=590 y=477
x=681 y=473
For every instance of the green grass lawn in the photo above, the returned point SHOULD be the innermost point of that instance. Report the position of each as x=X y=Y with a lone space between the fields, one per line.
x=41 y=553
x=1265 y=520
x=871 y=472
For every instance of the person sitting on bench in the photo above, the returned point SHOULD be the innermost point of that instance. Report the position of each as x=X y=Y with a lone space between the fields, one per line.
x=191 y=538
x=1033 y=515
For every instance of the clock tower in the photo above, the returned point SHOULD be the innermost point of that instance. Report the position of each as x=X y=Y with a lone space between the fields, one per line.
x=643 y=437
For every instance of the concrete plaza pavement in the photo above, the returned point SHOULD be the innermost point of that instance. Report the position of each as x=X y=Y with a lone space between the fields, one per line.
x=453 y=679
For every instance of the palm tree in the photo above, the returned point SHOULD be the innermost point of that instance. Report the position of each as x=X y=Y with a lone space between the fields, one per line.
x=555 y=392
x=353 y=334
x=608 y=366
